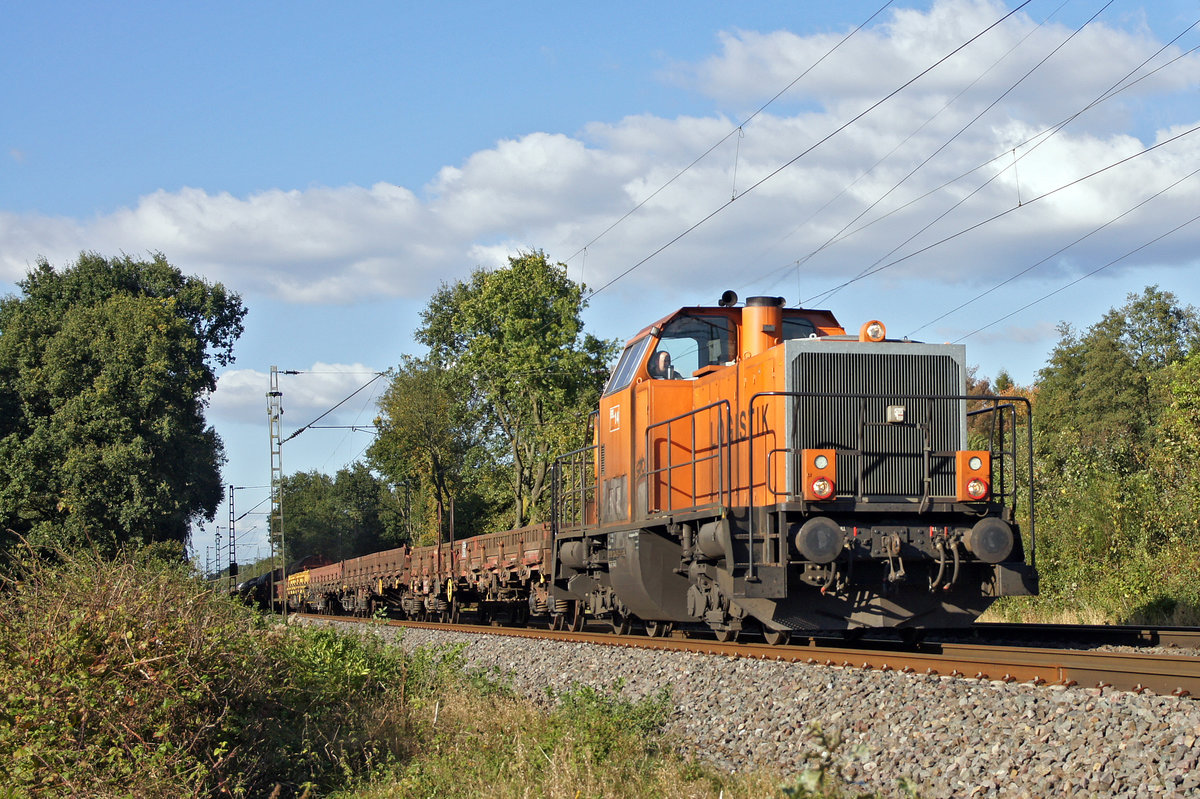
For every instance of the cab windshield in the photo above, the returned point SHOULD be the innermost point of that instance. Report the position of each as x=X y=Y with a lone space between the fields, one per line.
x=797 y=327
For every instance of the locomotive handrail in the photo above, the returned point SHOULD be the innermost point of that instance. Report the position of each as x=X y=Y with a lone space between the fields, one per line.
x=1010 y=404
x=997 y=414
x=722 y=445
x=578 y=492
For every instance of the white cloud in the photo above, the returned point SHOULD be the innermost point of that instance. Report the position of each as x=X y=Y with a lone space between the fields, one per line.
x=241 y=395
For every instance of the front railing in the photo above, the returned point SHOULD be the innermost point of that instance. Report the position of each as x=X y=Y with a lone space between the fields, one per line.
x=689 y=460
x=854 y=454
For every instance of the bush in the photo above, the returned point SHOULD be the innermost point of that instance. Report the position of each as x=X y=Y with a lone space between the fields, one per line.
x=128 y=678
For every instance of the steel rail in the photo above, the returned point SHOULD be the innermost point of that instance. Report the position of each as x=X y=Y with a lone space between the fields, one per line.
x=1115 y=634
x=1162 y=674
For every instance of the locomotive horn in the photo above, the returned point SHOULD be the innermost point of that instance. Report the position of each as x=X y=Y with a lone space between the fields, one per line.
x=728 y=299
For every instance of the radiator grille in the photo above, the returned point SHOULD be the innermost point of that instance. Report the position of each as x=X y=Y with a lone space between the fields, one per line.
x=892 y=460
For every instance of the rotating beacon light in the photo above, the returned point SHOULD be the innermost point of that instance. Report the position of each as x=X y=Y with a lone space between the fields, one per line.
x=873 y=330
x=818 y=474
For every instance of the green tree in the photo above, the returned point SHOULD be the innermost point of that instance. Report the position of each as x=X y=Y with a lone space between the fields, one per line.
x=351 y=514
x=429 y=441
x=105 y=371
x=1175 y=459
x=1110 y=420
x=1102 y=388
x=514 y=335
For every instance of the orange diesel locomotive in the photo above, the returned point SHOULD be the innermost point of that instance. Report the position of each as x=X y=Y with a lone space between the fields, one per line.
x=756 y=467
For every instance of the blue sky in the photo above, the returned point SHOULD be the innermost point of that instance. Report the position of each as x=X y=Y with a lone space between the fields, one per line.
x=333 y=164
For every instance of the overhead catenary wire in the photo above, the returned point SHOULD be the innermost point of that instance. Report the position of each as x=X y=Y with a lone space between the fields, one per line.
x=1036 y=140
x=351 y=429
x=1056 y=253
x=943 y=215
x=1007 y=211
x=334 y=408
x=1082 y=278
x=787 y=268
x=1012 y=87
x=808 y=150
x=738 y=130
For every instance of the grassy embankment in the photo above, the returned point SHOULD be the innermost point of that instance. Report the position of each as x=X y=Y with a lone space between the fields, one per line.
x=128 y=678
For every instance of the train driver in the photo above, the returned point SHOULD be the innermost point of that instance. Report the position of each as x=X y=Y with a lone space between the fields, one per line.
x=660 y=367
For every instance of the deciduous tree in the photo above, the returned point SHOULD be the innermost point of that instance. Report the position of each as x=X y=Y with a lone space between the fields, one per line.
x=429 y=441
x=515 y=336
x=351 y=514
x=105 y=371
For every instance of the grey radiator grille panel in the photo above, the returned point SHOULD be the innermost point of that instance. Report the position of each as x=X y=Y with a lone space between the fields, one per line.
x=893 y=460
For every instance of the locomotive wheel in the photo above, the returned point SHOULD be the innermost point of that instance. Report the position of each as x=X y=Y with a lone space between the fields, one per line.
x=726 y=636
x=575 y=617
x=776 y=637
x=621 y=623
x=558 y=622
x=659 y=629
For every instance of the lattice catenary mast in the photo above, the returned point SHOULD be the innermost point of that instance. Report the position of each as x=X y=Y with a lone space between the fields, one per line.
x=275 y=525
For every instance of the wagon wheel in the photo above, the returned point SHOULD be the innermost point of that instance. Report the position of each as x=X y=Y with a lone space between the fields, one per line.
x=776 y=637
x=558 y=621
x=456 y=612
x=621 y=622
x=659 y=629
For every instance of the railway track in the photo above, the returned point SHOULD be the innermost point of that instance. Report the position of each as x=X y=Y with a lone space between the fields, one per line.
x=1175 y=675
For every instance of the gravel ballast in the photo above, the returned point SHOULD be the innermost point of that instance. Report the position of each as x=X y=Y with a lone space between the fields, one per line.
x=951 y=737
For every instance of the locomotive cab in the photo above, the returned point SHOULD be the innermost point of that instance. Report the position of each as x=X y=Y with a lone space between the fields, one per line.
x=756 y=466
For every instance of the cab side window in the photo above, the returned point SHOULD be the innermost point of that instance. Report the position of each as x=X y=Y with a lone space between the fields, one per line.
x=627 y=366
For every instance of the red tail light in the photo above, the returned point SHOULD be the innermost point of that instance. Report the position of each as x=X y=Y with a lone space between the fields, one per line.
x=818 y=474
x=973 y=470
